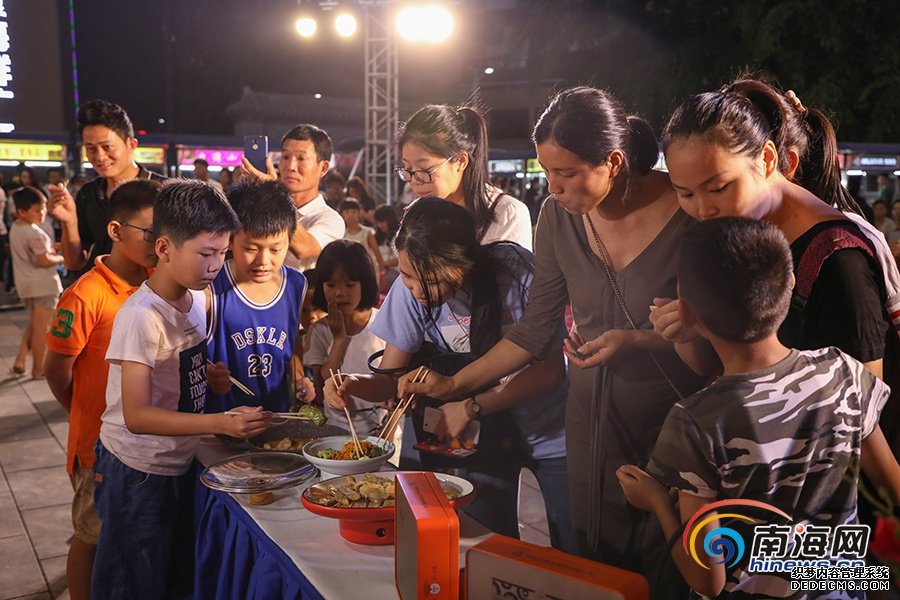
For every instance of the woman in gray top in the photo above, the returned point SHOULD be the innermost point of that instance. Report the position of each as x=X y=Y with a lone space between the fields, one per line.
x=606 y=242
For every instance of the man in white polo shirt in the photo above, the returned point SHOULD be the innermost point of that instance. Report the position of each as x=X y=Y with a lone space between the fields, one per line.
x=305 y=154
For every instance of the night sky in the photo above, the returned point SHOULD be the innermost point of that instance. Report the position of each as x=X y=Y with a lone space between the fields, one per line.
x=186 y=61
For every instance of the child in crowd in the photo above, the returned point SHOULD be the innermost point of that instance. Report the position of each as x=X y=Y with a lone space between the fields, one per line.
x=387 y=223
x=76 y=364
x=157 y=385
x=34 y=269
x=787 y=427
x=254 y=324
x=351 y=212
x=343 y=342
x=310 y=315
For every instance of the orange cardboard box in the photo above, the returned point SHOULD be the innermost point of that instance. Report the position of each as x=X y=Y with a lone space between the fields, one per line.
x=501 y=567
x=426 y=539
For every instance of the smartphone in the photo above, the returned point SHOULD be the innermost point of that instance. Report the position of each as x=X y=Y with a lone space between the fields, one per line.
x=256 y=149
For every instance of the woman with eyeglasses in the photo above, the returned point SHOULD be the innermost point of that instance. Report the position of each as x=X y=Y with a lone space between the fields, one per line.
x=444 y=150
x=606 y=242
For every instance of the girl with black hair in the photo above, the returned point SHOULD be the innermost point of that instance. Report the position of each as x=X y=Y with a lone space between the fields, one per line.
x=347 y=288
x=461 y=296
x=445 y=155
x=606 y=241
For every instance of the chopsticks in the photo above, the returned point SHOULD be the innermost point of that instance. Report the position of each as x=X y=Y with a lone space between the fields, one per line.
x=388 y=430
x=337 y=380
x=290 y=415
x=236 y=383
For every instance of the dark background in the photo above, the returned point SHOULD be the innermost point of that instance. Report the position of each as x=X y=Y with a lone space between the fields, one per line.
x=187 y=61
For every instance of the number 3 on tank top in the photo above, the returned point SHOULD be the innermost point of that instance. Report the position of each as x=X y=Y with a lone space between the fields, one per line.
x=260 y=365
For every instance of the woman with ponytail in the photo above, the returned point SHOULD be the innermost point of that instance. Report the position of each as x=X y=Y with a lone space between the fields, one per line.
x=444 y=150
x=808 y=156
x=731 y=153
x=606 y=242
x=459 y=296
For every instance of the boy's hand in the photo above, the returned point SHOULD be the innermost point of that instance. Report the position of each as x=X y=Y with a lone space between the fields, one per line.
x=61 y=205
x=245 y=421
x=217 y=374
x=640 y=489
x=598 y=351
x=306 y=390
x=337 y=397
x=667 y=323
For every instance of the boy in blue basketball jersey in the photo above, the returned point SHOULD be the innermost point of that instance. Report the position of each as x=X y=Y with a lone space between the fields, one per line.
x=255 y=304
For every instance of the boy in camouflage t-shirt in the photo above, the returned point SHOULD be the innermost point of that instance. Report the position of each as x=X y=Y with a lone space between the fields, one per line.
x=780 y=426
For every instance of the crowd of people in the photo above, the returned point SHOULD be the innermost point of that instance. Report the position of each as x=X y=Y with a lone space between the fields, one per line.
x=656 y=343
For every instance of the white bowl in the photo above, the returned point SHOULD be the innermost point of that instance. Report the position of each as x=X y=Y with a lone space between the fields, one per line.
x=330 y=467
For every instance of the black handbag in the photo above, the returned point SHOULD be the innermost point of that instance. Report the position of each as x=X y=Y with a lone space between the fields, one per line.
x=500 y=441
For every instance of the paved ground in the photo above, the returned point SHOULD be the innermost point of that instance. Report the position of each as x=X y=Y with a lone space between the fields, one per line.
x=35 y=495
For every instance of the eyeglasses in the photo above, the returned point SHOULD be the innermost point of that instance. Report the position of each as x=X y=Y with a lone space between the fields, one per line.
x=148 y=233
x=421 y=175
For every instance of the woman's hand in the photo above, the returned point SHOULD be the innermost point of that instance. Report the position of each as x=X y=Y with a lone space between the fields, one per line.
x=245 y=421
x=667 y=322
x=641 y=490
x=453 y=422
x=598 y=351
x=336 y=323
x=251 y=173
x=431 y=384
x=217 y=374
x=338 y=397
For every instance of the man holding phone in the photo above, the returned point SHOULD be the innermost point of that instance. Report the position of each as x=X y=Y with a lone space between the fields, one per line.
x=305 y=155
x=108 y=138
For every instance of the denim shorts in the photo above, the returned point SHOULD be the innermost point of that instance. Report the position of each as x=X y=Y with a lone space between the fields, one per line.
x=146 y=546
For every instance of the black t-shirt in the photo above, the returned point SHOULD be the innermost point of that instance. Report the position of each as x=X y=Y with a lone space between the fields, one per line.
x=92 y=207
x=845 y=308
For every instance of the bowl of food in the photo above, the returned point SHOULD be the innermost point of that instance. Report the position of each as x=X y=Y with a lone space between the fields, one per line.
x=363 y=504
x=338 y=455
x=291 y=436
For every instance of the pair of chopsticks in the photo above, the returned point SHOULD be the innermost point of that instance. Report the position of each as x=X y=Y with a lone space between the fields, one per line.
x=338 y=381
x=236 y=383
x=290 y=415
x=388 y=430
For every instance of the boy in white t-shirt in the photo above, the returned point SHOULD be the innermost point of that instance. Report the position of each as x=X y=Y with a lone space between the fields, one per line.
x=34 y=270
x=154 y=400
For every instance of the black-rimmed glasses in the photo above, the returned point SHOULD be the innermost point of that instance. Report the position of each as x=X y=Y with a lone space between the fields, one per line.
x=148 y=233
x=421 y=175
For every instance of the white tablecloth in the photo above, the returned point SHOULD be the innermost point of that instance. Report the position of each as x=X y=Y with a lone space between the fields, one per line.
x=335 y=567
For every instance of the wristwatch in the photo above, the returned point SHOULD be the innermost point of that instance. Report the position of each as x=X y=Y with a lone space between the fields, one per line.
x=474 y=407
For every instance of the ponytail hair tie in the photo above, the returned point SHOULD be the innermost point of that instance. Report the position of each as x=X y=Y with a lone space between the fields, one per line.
x=793 y=99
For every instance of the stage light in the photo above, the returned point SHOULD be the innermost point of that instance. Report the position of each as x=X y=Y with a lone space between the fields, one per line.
x=305 y=26
x=431 y=24
x=345 y=24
